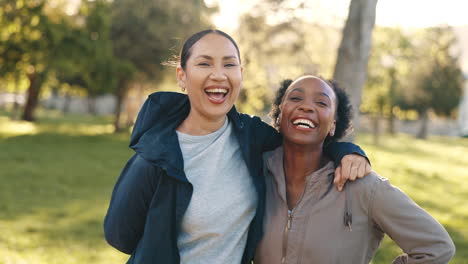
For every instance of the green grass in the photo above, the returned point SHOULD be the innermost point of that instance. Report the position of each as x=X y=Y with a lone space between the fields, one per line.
x=434 y=173
x=57 y=176
x=56 y=180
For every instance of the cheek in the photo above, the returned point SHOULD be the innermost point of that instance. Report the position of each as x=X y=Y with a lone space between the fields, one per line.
x=283 y=124
x=329 y=117
x=237 y=80
x=194 y=75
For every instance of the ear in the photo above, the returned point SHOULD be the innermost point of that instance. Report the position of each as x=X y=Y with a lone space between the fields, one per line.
x=181 y=77
x=242 y=76
x=331 y=133
x=278 y=119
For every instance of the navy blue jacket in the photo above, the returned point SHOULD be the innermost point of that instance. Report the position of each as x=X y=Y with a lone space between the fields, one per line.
x=152 y=192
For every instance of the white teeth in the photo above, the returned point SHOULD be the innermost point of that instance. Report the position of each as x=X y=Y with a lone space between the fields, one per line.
x=304 y=123
x=217 y=90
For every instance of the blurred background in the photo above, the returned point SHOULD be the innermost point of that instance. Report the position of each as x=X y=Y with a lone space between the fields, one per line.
x=74 y=73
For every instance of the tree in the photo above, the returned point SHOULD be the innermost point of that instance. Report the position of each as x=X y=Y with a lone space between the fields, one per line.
x=353 y=53
x=144 y=31
x=98 y=65
x=438 y=80
x=267 y=54
x=389 y=65
x=279 y=41
x=34 y=43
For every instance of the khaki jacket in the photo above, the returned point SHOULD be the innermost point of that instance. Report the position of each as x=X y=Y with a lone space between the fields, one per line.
x=331 y=227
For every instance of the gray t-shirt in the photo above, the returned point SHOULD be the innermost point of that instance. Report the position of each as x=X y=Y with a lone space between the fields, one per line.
x=215 y=226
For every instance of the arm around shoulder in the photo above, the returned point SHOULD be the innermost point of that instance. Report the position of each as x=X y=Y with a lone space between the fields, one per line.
x=270 y=137
x=419 y=235
x=337 y=150
x=125 y=219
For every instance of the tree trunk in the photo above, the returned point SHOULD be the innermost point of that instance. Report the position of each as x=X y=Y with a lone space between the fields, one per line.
x=66 y=103
x=120 y=96
x=376 y=129
x=133 y=103
x=422 y=134
x=92 y=105
x=353 y=53
x=391 y=122
x=16 y=105
x=118 y=110
x=391 y=95
x=35 y=83
x=54 y=99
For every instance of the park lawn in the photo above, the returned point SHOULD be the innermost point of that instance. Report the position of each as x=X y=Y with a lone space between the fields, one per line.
x=434 y=173
x=57 y=177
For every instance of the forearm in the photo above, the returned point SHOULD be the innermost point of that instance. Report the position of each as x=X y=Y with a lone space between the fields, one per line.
x=126 y=216
x=417 y=233
x=337 y=150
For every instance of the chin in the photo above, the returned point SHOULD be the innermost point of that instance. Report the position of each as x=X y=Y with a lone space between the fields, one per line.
x=302 y=141
x=305 y=140
x=218 y=111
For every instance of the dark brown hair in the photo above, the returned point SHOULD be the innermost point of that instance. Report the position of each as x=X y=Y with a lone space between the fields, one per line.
x=186 y=50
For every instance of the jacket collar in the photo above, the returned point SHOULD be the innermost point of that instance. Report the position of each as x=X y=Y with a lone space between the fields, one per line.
x=317 y=182
x=154 y=136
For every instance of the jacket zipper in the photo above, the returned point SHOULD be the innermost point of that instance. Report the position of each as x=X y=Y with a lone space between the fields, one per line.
x=285 y=235
x=288 y=226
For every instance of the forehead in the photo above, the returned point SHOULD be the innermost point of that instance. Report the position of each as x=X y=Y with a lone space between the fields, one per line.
x=312 y=85
x=214 y=45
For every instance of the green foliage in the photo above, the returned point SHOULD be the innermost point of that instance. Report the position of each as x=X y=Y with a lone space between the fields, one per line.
x=40 y=43
x=437 y=82
x=388 y=69
x=143 y=32
x=277 y=43
x=99 y=49
x=57 y=177
x=93 y=65
x=35 y=39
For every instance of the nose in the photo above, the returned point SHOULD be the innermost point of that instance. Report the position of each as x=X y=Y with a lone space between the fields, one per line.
x=218 y=74
x=307 y=106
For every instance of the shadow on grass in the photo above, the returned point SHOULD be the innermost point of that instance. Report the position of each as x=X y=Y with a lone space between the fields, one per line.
x=54 y=194
x=404 y=144
x=48 y=170
x=57 y=176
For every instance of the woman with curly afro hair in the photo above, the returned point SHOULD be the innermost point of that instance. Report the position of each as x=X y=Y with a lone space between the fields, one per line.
x=344 y=111
x=309 y=221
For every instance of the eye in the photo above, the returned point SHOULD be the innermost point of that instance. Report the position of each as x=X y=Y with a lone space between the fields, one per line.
x=230 y=65
x=203 y=64
x=295 y=98
x=321 y=103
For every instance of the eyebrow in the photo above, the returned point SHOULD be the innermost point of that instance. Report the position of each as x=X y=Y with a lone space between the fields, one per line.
x=210 y=58
x=299 y=89
x=324 y=94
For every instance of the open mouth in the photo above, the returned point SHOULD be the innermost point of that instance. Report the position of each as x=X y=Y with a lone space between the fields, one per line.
x=303 y=123
x=217 y=95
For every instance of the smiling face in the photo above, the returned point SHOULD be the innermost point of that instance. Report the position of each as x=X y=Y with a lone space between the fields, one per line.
x=308 y=112
x=212 y=77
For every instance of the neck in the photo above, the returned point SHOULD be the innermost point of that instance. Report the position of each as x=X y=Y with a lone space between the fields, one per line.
x=197 y=125
x=300 y=161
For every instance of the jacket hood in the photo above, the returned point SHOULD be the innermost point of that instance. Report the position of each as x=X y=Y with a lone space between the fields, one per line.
x=154 y=137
